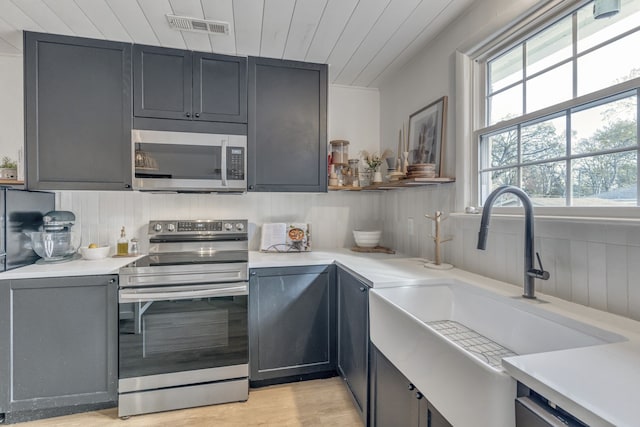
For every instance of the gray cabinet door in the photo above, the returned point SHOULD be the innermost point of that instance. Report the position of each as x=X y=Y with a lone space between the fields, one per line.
x=162 y=82
x=219 y=88
x=63 y=347
x=291 y=322
x=430 y=417
x=77 y=113
x=396 y=401
x=185 y=85
x=353 y=336
x=287 y=141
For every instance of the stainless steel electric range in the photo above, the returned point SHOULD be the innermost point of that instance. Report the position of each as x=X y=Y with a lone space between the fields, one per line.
x=183 y=338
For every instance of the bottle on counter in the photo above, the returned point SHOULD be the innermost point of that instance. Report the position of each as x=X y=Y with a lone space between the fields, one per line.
x=133 y=249
x=123 y=243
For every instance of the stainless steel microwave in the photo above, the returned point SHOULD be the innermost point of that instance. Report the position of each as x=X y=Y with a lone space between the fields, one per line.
x=188 y=162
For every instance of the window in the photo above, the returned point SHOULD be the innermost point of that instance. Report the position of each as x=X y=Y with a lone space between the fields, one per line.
x=561 y=112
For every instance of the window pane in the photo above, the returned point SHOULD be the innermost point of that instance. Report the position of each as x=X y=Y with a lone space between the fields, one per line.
x=494 y=179
x=549 y=47
x=609 y=179
x=544 y=140
x=605 y=127
x=505 y=70
x=499 y=150
x=545 y=183
x=592 y=32
x=550 y=88
x=611 y=64
x=505 y=105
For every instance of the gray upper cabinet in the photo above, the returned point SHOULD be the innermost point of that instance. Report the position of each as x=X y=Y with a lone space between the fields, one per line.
x=353 y=337
x=77 y=113
x=62 y=354
x=183 y=85
x=287 y=135
x=291 y=322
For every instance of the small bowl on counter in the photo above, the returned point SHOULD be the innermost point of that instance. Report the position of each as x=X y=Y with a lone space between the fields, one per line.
x=367 y=239
x=91 y=254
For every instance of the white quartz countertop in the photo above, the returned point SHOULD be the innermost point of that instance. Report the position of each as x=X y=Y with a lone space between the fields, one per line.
x=598 y=384
x=76 y=267
x=377 y=270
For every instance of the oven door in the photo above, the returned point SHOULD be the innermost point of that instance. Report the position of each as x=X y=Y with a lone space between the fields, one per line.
x=176 y=329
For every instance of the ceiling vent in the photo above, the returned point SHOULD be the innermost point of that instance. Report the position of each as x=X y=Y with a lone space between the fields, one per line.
x=183 y=23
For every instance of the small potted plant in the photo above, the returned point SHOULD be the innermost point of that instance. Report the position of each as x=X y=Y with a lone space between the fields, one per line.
x=373 y=162
x=8 y=168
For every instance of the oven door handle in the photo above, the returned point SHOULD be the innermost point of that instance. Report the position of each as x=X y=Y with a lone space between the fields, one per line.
x=163 y=295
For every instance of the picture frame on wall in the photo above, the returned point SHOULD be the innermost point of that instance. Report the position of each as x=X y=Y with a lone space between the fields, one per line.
x=427 y=129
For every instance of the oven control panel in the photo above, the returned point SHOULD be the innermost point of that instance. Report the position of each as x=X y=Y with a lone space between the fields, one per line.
x=226 y=226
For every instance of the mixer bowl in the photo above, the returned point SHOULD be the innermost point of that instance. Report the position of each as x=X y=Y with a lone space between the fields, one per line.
x=55 y=246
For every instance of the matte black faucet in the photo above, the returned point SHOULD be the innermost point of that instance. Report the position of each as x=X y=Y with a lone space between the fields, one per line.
x=530 y=272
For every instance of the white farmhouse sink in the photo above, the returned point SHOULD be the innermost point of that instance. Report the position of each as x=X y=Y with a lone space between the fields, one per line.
x=423 y=330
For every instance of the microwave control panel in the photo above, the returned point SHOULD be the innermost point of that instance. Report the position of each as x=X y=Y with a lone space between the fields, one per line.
x=235 y=163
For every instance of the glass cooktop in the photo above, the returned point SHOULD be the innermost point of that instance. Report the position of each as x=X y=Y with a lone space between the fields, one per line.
x=189 y=258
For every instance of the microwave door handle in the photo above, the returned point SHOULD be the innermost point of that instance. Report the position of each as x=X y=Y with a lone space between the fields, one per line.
x=223 y=163
x=128 y=296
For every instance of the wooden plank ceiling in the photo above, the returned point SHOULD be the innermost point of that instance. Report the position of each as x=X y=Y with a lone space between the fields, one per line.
x=362 y=40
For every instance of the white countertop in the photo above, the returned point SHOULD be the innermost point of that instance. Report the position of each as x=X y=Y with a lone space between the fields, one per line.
x=377 y=270
x=597 y=384
x=76 y=267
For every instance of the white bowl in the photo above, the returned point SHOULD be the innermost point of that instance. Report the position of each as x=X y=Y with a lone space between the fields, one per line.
x=367 y=239
x=94 y=253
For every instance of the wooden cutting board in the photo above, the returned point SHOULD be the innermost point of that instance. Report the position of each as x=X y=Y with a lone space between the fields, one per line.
x=378 y=249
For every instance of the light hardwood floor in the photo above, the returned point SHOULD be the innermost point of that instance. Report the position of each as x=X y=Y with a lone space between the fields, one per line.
x=308 y=403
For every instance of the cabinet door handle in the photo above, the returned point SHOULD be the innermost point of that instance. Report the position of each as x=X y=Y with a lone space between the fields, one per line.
x=411 y=387
x=187 y=114
x=112 y=281
x=362 y=288
x=418 y=395
x=197 y=115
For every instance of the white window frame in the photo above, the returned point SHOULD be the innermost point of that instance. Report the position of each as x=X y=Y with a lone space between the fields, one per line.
x=471 y=112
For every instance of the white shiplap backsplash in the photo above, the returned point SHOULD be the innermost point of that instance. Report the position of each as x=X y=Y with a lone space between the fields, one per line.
x=332 y=216
x=591 y=263
x=594 y=263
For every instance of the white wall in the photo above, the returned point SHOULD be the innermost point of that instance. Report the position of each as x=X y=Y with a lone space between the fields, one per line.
x=354 y=115
x=594 y=263
x=101 y=214
x=11 y=108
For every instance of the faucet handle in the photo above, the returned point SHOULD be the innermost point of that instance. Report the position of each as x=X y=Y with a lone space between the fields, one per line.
x=538 y=273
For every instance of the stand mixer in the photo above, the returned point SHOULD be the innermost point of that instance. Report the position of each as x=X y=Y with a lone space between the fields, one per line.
x=56 y=242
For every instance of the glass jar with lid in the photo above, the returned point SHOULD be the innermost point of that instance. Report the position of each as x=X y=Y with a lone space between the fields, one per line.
x=339 y=152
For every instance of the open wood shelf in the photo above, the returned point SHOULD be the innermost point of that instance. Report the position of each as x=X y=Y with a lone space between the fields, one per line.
x=392 y=185
x=11 y=182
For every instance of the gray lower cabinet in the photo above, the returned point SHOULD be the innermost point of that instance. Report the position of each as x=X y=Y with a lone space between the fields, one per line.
x=292 y=327
x=287 y=127
x=77 y=113
x=59 y=346
x=184 y=85
x=353 y=337
x=397 y=402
